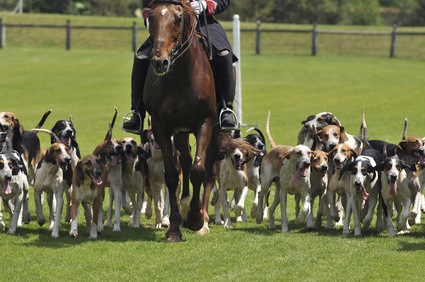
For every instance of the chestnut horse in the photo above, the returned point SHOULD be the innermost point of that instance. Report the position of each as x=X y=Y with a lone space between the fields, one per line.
x=180 y=96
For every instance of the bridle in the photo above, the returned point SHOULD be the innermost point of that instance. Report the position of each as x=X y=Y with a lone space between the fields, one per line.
x=179 y=49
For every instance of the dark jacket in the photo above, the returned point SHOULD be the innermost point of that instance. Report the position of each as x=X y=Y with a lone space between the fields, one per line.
x=216 y=32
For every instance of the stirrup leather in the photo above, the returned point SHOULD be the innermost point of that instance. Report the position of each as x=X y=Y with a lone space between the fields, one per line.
x=234 y=117
x=127 y=118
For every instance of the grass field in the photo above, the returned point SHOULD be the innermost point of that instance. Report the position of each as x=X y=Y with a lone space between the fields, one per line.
x=88 y=84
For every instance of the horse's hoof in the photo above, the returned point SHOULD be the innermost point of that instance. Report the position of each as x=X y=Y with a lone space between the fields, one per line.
x=194 y=221
x=203 y=231
x=173 y=236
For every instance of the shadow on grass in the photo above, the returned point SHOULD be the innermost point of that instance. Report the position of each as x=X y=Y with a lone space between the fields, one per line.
x=41 y=236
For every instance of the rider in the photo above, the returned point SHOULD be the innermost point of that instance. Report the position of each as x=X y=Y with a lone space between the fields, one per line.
x=223 y=57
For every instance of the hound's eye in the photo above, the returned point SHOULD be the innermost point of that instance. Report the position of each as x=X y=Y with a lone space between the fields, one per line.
x=1 y=165
x=10 y=164
x=320 y=119
x=335 y=135
x=88 y=163
x=364 y=172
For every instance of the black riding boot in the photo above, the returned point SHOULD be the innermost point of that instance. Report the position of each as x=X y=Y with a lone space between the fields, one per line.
x=225 y=73
x=138 y=76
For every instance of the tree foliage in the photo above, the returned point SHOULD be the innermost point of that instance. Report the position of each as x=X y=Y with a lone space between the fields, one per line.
x=357 y=12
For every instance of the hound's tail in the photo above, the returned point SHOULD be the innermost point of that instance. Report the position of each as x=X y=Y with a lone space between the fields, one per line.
x=43 y=119
x=403 y=135
x=269 y=136
x=363 y=128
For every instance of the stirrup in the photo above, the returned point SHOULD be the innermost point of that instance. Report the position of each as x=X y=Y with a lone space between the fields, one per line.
x=127 y=118
x=235 y=118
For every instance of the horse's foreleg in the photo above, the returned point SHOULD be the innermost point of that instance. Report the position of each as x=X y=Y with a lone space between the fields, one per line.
x=197 y=214
x=181 y=142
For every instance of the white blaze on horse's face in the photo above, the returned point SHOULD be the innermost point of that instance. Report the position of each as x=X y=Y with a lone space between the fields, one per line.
x=165 y=27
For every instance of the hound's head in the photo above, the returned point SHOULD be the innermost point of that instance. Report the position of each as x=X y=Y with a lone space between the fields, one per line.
x=341 y=154
x=392 y=168
x=9 y=123
x=237 y=151
x=412 y=149
x=300 y=156
x=89 y=167
x=65 y=131
x=9 y=166
x=129 y=147
x=319 y=163
x=362 y=169
x=317 y=122
x=331 y=135
x=58 y=153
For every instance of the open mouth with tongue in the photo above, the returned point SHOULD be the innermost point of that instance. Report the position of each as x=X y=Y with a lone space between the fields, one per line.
x=299 y=174
x=6 y=186
x=115 y=159
x=237 y=164
x=96 y=179
x=361 y=190
x=129 y=157
x=393 y=187
x=66 y=140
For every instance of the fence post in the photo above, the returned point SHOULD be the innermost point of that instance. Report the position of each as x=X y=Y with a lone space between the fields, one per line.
x=314 y=40
x=134 y=43
x=393 y=41
x=2 y=33
x=68 y=34
x=258 y=38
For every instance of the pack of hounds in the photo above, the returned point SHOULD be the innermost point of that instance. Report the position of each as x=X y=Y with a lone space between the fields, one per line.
x=351 y=176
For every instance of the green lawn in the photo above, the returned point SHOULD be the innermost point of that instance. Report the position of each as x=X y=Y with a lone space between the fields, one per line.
x=88 y=84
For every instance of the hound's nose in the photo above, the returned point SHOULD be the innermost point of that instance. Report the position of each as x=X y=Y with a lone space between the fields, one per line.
x=8 y=177
x=67 y=160
x=118 y=148
x=324 y=167
x=68 y=132
x=237 y=157
x=97 y=172
x=393 y=177
x=337 y=160
x=306 y=164
x=128 y=147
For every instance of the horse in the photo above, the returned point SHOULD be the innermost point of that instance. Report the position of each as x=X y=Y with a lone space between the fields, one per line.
x=180 y=97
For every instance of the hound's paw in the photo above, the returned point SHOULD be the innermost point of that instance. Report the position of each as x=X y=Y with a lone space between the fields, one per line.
x=158 y=225
x=11 y=232
x=73 y=233
x=41 y=221
x=2 y=226
x=219 y=221
x=165 y=222
x=253 y=211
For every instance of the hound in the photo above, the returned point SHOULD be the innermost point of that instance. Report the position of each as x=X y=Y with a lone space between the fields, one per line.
x=133 y=177
x=233 y=175
x=87 y=189
x=270 y=172
x=258 y=141
x=14 y=188
x=340 y=156
x=314 y=123
x=319 y=184
x=49 y=178
x=294 y=178
x=395 y=190
x=155 y=185
x=112 y=177
x=25 y=142
x=365 y=184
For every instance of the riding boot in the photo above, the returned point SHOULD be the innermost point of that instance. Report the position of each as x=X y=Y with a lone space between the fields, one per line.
x=138 y=76
x=226 y=77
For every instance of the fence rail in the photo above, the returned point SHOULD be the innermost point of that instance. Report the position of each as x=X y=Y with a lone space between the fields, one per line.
x=259 y=40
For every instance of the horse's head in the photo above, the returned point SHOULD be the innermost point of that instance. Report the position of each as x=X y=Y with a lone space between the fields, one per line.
x=168 y=21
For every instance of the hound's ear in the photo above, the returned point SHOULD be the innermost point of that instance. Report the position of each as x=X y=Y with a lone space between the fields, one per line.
x=354 y=154
x=285 y=155
x=319 y=135
x=48 y=156
x=144 y=136
x=79 y=175
x=343 y=136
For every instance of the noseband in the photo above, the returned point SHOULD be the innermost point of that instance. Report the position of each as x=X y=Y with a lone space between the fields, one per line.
x=177 y=49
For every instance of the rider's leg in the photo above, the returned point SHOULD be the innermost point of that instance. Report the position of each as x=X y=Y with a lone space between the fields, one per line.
x=138 y=75
x=226 y=77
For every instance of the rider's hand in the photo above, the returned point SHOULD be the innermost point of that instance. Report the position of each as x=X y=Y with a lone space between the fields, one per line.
x=198 y=6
